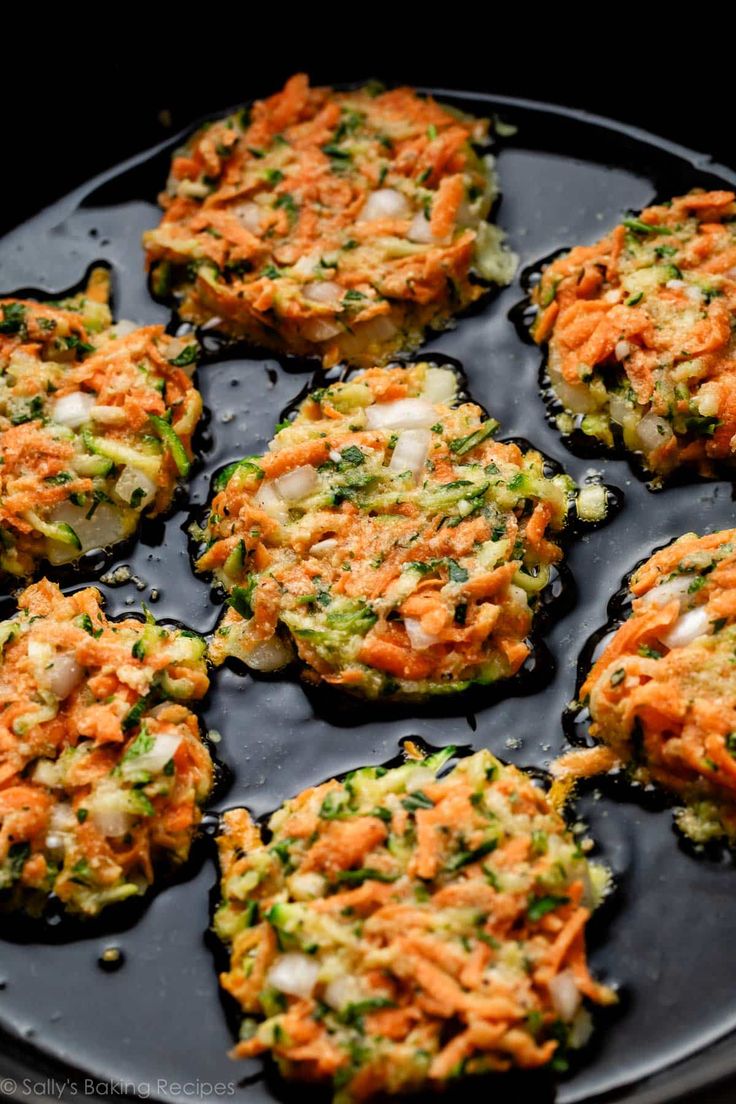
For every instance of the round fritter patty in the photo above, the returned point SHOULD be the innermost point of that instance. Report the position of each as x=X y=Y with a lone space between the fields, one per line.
x=640 y=333
x=334 y=224
x=396 y=930
x=388 y=537
x=102 y=771
x=96 y=421
x=662 y=696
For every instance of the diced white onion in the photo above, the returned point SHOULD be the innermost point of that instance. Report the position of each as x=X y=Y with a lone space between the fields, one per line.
x=307 y=886
x=467 y=213
x=401 y=414
x=622 y=350
x=323 y=291
x=666 y=592
x=297 y=483
x=411 y=451
x=295 y=974
x=39 y=651
x=46 y=773
x=591 y=502
x=62 y=818
x=197 y=189
x=321 y=329
x=518 y=596
x=161 y=708
x=307 y=264
x=419 y=778
x=212 y=323
x=420 y=230
x=124 y=328
x=158 y=755
x=62 y=822
x=418 y=638
x=565 y=995
x=619 y=409
x=268 y=655
x=62 y=675
x=653 y=432
x=268 y=498
x=104 y=528
x=248 y=215
x=694 y=293
x=112 y=822
x=440 y=385
x=108 y=415
x=109 y=810
x=73 y=410
x=343 y=991
x=575 y=397
x=324 y=547
x=581 y=1029
x=675 y=285
x=709 y=400
x=132 y=480
x=380 y=328
x=384 y=203
x=688 y=627
x=174 y=348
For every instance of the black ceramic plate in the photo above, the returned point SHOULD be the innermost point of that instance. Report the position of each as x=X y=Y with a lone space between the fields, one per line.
x=667 y=936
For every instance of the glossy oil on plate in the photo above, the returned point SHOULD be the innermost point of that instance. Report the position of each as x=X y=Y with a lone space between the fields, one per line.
x=665 y=936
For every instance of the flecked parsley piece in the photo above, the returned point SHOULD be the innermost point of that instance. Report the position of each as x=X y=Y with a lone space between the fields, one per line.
x=336 y=224
x=102 y=767
x=96 y=422
x=402 y=928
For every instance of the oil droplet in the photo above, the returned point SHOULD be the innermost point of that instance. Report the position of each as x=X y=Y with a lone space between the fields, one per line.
x=111 y=959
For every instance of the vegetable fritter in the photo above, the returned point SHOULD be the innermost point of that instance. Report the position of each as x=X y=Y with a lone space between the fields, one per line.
x=389 y=537
x=102 y=771
x=96 y=421
x=662 y=696
x=334 y=224
x=640 y=332
x=397 y=930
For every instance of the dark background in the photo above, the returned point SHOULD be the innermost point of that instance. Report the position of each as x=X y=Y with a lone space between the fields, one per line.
x=77 y=100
